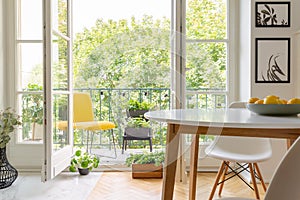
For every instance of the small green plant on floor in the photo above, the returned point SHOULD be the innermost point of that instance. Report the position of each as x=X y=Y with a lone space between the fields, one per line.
x=157 y=158
x=83 y=160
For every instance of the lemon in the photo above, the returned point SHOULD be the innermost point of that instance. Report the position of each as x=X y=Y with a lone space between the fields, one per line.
x=294 y=101
x=271 y=99
x=282 y=101
x=260 y=101
x=253 y=100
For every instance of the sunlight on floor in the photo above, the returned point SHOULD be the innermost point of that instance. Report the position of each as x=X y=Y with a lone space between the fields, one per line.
x=66 y=186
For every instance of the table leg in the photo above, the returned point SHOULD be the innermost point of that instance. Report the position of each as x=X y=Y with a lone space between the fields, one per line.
x=193 y=167
x=289 y=142
x=172 y=146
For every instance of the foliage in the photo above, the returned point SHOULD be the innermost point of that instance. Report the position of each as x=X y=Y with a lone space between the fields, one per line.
x=206 y=62
x=137 y=105
x=9 y=120
x=83 y=161
x=138 y=122
x=123 y=54
x=33 y=105
x=136 y=53
x=156 y=158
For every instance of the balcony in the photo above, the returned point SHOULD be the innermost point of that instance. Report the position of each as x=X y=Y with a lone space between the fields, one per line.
x=111 y=103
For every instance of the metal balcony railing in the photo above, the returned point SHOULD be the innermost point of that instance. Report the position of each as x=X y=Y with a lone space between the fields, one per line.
x=111 y=103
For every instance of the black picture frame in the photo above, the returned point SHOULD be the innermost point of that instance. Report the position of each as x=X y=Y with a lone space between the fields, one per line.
x=272 y=60
x=272 y=14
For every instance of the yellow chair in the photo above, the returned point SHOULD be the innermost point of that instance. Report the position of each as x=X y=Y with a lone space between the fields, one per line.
x=83 y=118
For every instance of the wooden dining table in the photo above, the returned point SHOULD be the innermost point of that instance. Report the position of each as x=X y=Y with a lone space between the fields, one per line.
x=225 y=122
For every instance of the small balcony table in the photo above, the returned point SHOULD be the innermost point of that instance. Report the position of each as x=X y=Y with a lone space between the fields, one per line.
x=227 y=122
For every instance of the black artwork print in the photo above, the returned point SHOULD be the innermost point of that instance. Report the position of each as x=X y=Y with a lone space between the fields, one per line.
x=274 y=70
x=275 y=14
x=266 y=16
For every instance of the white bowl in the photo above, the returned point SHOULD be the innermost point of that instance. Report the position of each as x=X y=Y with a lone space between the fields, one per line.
x=274 y=109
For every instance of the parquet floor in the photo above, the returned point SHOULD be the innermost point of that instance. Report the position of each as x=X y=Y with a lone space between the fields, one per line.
x=120 y=186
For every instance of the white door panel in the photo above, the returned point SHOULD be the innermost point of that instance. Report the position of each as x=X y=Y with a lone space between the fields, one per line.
x=57 y=86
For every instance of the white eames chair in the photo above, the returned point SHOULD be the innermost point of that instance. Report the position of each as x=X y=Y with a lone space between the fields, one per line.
x=245 y=152
x=285 y=181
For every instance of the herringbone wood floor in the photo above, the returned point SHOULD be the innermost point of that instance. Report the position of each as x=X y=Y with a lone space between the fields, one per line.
x=120 y=186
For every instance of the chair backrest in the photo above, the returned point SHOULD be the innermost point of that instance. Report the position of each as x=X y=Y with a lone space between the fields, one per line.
x=285 y=181
x=82 y=107
x=244 y=145
x=237 y=104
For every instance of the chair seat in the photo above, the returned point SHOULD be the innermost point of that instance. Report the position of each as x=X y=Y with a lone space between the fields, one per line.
x=91 y=126
x=232 y=156
x=243 y=150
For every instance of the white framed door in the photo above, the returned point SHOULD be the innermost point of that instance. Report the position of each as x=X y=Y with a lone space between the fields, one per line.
x=58 y=144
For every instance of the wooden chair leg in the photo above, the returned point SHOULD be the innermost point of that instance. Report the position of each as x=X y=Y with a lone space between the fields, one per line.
x=220 y=172
x=223 y=178
x=253 y=180
x=260 y=176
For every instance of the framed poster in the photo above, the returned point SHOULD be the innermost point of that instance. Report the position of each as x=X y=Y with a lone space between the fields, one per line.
x=272 y=14
x=272 y=60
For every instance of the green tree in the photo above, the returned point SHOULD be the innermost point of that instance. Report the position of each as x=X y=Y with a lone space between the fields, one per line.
x=119 y=54
x=133 y=53
x=206 y=19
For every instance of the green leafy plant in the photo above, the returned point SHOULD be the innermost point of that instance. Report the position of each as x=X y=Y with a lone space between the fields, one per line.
x=33 y=107
x=83 y=160
x=136 y=105
x=138 y=122
x=9 y=121
x=157 y=158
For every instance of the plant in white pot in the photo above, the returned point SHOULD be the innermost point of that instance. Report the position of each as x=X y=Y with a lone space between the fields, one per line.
x=83 y=162
x=9 y=121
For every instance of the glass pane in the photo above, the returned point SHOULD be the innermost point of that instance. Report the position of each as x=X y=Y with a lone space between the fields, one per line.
x=30 y=24
x=200 y=101
x=206 y=66
x=32 y=114
x=60 y=16
x=31 y=64
x=60 y=67
x=206 y=19
x=60 y=117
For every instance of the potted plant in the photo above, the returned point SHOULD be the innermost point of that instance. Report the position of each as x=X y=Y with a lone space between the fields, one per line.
x=33 y=112
x=83 y=162
x=9 y=121
x=147 y=164
x=138 y=127
x=137 y=108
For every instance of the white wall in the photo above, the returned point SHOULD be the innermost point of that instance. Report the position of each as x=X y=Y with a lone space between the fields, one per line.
x=284 y=90
x=1 y=54
x=248 y=33
x=248 y=87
